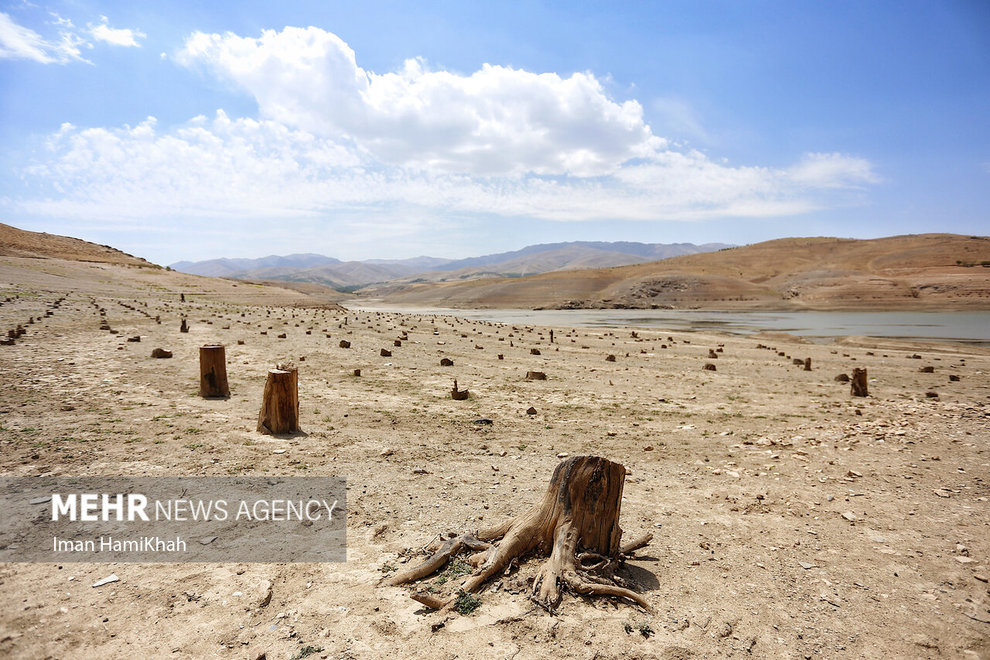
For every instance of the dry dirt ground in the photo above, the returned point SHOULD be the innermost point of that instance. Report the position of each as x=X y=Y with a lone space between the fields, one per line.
x=790 y=520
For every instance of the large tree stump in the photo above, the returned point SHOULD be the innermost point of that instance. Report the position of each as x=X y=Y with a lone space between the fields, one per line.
x=575 y=525
x=857 y=385
x=213 y=372
x=280 y=402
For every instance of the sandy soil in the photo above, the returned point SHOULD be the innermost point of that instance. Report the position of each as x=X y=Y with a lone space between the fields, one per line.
x=790 y=520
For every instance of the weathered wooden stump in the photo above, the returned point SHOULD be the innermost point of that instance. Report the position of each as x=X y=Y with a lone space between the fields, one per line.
x=535 y=375
x=184 y=327
x=709 y=367
x=532 y=351
x=344 y=343
x=280 y=402
x=385 y=353
x=857 y=384
x=807 y=364
x=446 y=362
x=213 y=372
x=161 y=353
x=575 y=525
x=841 y=378
x=610 y=358
x=458 y=395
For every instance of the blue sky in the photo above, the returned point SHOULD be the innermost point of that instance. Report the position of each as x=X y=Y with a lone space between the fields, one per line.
x=192 y=130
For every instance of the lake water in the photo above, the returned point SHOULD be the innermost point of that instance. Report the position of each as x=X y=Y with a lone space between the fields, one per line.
x=964 y=327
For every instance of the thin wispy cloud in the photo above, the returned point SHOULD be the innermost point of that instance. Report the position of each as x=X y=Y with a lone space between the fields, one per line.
x=115 y=36
x=64 y=44
x=20 y=42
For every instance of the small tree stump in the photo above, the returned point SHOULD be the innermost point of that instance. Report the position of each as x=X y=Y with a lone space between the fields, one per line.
x=213 y=372
x=709 y=367
x=184 y=327
x=857 y=384
x=344 y=343
x=841 y=378
x=458 y=395
x=535 y=375
x=807 y=364
x=161 y=353
x=446 y=362
x=532 y=351
x=610 y=358
x=280 y=402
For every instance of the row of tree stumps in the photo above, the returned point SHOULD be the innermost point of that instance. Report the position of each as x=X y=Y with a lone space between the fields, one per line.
x=279 y=403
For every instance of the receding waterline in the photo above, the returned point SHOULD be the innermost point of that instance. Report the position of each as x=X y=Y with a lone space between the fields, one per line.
x=964 y=327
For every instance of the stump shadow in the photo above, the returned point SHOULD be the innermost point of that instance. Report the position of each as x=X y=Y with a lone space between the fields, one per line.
x=640 y=578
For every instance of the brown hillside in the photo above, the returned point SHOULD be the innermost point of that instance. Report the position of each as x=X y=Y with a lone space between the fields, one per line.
x=926 y=271
x=16 y=242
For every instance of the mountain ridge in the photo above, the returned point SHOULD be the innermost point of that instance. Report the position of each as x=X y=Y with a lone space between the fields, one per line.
x=531 y=259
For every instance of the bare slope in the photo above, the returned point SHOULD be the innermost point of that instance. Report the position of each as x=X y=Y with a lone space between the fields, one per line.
x=915 y=271
x=16 y=242
x=33 y=263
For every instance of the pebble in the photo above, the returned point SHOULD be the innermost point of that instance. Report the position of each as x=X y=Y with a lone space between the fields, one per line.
x=278 y=451
x=806 y=566
x=563 y=454
x=850 y=516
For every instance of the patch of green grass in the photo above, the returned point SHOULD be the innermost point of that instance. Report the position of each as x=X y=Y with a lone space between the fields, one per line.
x=466 y=603
x=193 y=445
x=454 y=570
x=307 y=651
x=132 y=440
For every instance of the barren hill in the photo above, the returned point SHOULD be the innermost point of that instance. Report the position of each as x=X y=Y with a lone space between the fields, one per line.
x=16 y=242
x=32 y=263
x=926 y=271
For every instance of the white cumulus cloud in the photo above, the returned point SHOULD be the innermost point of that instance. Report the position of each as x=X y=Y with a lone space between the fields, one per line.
x=337 y=143
x=497 y=120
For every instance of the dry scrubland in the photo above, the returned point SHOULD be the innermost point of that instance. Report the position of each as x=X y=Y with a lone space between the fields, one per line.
x=790 y=520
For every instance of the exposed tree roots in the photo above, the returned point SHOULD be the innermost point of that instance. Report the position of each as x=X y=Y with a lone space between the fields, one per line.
x=575 y=525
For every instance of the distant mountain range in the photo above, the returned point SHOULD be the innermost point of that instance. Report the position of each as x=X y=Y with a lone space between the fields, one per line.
x=530 y=260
